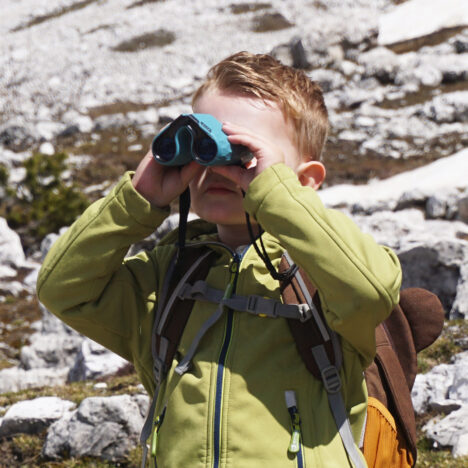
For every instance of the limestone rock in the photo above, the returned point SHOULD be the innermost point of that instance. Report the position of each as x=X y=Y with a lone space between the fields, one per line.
x=32 y=416
x=419 y=18
x=11 y=250
x=106 y=427
x=448 y=430
x=15 y=379
x=93 y=361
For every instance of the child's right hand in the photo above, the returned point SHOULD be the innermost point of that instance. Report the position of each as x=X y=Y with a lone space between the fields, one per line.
x=160 y=184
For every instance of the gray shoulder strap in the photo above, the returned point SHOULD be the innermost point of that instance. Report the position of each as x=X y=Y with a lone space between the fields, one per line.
x=332 y=383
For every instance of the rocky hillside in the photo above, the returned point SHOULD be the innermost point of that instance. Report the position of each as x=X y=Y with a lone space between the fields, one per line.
x=84 y=86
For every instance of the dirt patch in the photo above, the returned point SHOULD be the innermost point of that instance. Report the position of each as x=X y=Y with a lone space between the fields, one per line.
x=142 y=3
x=159 y=38
x=413 y=45
x=241 y=8
x=54 y=14
x=119 y=107
x=424 y=94
x=345 y=164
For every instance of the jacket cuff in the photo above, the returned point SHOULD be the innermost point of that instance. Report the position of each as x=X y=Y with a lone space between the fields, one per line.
x=137 y=207
x=264 y=184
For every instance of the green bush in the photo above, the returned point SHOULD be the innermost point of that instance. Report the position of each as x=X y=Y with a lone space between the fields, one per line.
x=43 y=202
x=3 y=175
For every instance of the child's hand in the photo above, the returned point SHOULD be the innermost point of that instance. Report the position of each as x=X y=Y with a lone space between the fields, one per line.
x=160 y=184
x=264 y=152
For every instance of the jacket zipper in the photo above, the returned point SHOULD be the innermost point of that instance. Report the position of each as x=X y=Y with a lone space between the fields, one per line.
x=230 y=288
x=295 y=444
x=154 y=436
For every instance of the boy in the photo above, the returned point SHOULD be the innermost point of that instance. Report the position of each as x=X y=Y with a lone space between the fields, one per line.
x=229 y=409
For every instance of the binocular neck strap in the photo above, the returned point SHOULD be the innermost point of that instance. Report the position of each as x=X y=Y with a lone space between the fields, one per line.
x=184 y=207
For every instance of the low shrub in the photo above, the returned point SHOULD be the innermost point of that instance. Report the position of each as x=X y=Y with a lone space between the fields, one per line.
x=44 y=201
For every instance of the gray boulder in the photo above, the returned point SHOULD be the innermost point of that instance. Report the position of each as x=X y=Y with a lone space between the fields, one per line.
x=419 y=18
x=451 y=107
x=33 y=416
x=106 y=427
x=50 y=350
x=11 y=250
x=446 y=173
x=93 y=361
x=15 y=379
x=436 y=265
x=448 y=431
x=292 y=53
x=460 y=448
x=431 y=254
x=16 y=137
x=444 y=388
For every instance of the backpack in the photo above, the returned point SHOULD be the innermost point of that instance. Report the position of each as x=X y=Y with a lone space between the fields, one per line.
x=389 y=434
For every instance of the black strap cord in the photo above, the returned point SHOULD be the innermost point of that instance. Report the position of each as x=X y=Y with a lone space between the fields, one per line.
x=184 y=207
x=283 y=276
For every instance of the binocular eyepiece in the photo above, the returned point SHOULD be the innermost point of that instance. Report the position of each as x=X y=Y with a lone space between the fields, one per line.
x=197 y=137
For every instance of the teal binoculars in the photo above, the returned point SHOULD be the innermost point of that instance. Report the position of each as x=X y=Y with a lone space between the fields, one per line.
x=197 y=137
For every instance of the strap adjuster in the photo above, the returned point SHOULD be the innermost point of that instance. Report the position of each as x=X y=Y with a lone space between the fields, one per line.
x=331 y=379
x=193 y=291
x=159 y=369
x=305 y=312
x=251 y=304
x=261 y=306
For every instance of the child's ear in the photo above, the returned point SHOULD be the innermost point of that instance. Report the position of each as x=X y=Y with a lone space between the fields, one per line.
x=311 y=174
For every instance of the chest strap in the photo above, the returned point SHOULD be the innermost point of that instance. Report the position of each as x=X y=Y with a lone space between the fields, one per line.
x=253 y=304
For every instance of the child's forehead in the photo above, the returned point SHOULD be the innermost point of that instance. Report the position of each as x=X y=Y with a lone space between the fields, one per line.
x=233 y=101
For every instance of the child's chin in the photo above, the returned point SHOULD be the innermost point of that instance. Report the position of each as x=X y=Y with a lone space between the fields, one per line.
x=227 y=219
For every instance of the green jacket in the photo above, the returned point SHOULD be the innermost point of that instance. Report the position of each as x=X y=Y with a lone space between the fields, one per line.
x=229 y=410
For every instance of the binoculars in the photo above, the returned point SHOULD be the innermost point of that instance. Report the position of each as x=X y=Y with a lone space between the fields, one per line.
x=197 y=137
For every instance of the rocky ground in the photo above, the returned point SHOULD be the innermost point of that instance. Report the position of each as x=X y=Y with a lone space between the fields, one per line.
x=88 y=83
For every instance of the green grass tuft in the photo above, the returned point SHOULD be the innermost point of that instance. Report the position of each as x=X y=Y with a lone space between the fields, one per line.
x=43 y=202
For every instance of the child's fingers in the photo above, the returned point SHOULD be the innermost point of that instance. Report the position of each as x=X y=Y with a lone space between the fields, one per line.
x=239 y=175
x=249 y=141
x=189 y=171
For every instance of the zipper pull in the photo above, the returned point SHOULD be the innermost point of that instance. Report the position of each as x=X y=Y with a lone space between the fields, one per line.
x=295 y=442
x=233 y=270
x=154 y=436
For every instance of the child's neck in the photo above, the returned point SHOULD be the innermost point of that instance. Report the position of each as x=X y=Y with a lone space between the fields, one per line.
x=236 y=235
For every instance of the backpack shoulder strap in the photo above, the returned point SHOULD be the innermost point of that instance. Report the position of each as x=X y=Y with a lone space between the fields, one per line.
x=173 y=312
x=298 y=289
x=413 y=324
x=320 y=350
x=171 y=317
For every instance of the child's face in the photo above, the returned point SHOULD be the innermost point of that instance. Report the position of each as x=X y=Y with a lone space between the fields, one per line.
x=215 y=198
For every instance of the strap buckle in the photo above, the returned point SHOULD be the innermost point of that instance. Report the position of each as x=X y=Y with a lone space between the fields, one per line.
x=331 y=379
x=305 y=312
x=260 y=306
x=193 y=291
x=251 y=304
x=159 y=369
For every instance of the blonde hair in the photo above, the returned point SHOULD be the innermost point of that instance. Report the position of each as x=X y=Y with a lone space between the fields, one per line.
x=261 y=76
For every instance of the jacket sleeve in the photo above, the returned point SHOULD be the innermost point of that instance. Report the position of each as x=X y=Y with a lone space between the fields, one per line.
x=358 y=280
x=84 y=279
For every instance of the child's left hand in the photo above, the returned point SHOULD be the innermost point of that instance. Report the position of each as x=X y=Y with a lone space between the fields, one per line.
x=265 y=155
